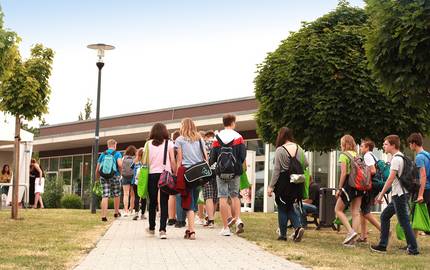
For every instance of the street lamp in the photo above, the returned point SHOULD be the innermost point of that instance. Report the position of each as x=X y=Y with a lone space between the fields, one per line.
x=101 y=48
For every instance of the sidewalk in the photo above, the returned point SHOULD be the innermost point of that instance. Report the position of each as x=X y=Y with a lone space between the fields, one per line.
x=126 y=245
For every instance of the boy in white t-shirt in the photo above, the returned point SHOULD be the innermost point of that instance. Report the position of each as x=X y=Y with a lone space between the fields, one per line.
x=366 y=148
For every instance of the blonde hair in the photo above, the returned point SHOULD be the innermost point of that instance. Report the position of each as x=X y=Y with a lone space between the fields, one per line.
x=111 y=143
x=188 y=130
x=347 y=143
x=139 y=155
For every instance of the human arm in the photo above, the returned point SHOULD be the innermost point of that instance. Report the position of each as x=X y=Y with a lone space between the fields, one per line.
x=119 y=163
x=387 y=186
x=97 y=171
x=172 y=159
x=178 y=159
x=343 y=174
x=423 y=179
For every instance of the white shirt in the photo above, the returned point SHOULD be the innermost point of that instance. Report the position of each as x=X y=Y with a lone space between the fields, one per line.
x=397 y=164
x=369 y=159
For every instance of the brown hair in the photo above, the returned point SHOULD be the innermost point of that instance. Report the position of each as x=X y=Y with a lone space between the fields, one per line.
x=139 y=155
x=130 y=150
x=368 y=143
x=416 y=138
x=284 y=134
x=210 y=133
x=158 y=134
x=3 y=171
x=347 y=142
x=175 y=135
x=33 y=161
x=228 y=119
x=393 y=140
x=189 y=131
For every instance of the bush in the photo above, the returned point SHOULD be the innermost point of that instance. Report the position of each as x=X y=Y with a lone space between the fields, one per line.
x=71 y=201
x=110 y=203
x=53 y=193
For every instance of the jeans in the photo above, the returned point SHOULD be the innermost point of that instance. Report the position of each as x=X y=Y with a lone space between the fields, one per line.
x=180 y=213
x=283 y=216
x=398 y=206
x=137 y=199
x=153 y=201
x=307 y=209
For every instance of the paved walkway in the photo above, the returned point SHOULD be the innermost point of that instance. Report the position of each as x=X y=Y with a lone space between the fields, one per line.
x=126 y=245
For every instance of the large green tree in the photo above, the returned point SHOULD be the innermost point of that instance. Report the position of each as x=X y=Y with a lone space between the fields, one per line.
x=398 y=47
x=318 y=83
x=24 y=90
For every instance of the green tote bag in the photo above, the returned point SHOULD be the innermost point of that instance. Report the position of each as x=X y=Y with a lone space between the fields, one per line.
x=142 y=184
x=421 y=220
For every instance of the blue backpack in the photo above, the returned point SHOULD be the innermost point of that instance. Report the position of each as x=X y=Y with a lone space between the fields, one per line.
x=108 y=165
x=381 y=175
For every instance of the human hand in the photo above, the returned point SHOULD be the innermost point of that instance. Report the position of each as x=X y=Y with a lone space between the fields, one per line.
x=269 y=191
x=420 y=199
x=337 y=194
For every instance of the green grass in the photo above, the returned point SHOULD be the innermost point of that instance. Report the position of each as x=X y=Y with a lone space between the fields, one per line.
x=48 y=238
x=324 y=250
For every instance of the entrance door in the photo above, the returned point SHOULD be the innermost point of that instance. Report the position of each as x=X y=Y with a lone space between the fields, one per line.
x=66 y=175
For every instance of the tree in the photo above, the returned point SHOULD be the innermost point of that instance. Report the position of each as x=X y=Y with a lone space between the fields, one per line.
x=24 y=93
x=87 y=110
x=398 y=47
x=318 y=83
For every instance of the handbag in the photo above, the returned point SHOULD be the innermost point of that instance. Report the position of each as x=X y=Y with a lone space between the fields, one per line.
x=143 y=175
x=98 y=189
x=199 y=173
x=167 y=182
x=421 y=220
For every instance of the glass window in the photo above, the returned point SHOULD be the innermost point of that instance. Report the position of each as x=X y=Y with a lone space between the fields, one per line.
x=257 y=146
x=44 y=164
x=77 y=175
x=53 y=164
x=67 y=178
x=65 y=162
x=86 y=175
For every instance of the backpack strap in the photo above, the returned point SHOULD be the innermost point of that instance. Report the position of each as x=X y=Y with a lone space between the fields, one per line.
x=374 y=158
x=165 y=152
x=222 y=143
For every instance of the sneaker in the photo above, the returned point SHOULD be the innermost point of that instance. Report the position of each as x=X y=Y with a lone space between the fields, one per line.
x=163 y=235
x=117 y=215
x=143 y=216
x=180 y=224
x=298 y=234
x=230 y=221
x=225 y=232
x=349 y=237
x=239 y=226
x=378 y=249
x=135 y=217
x=104 y=219
x=405 y=248
x=210 y=224
x=171 y=222
x=282 y=238
x=409 y=252
x=150 y=231
x=200 y=222
x=125 y=214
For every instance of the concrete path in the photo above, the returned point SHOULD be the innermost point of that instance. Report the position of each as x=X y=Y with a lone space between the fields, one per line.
x=126 y=245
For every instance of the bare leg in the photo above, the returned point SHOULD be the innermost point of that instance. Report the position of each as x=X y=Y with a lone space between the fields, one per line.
x=225 y=211
x=339 y=208
x=172 y=206
x=210 y=209
x=371 y=218
x=131 y=206
x=126 y=189
x=363 y=222
x=115 y=204
x=235 y=206
x=36 y=200
x=190 y=217
x=104 y=206
x=355 y=211
x=41 y=201
x=201 y=208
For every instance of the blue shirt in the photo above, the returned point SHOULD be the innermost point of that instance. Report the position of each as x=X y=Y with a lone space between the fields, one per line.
x=116 y=156
x=423 y=160
x=191 y=151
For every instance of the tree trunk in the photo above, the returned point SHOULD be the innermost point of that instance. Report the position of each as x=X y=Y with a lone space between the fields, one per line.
x=16 y=171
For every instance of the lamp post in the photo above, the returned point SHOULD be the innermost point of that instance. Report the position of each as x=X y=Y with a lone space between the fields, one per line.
x=101 y=48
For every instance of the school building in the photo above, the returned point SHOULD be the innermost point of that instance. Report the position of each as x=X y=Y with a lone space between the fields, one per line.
x=65 y=150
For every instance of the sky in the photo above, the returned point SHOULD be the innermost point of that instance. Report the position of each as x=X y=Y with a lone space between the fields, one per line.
x=168 y=53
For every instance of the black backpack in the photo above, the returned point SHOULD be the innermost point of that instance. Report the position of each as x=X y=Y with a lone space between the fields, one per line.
x=226 y=162
x=408 y=179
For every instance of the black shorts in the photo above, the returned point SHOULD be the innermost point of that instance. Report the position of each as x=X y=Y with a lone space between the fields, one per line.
x=349 y=193
x=366 y=202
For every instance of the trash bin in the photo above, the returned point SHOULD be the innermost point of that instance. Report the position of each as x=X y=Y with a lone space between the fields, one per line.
x=327 y=204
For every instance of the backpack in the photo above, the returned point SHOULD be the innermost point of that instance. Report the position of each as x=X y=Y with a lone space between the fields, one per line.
x=409 y=178
x=360 y=176
x=108 y=165
x=381 y=175
x=226 y=162
x=127 y=171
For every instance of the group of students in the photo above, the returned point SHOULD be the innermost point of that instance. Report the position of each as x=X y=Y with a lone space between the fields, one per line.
x=399 y=181
x=161 y=155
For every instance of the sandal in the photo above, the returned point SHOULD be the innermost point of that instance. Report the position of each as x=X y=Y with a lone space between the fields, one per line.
x=192 y=236
x=187 y=234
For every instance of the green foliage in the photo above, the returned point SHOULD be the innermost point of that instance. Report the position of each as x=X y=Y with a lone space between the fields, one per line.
x=53 y=193
x=111 y=203
x=9 y=52
x=318 y=83
x=25 y=91
x=87 y=110
x=398 y=47
x=71 y=201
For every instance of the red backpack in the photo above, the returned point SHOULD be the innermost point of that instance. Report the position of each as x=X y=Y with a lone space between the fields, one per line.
x=360 y=177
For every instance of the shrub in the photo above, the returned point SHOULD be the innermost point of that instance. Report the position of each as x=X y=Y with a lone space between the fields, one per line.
x=53 y=193
x=71 y=201
x=110 y=203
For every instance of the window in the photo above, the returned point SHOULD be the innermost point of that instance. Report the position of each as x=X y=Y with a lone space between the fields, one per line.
x=77 y=175
x=257 y=146
x=44 y=164
x=65 y=162
x=53 y=164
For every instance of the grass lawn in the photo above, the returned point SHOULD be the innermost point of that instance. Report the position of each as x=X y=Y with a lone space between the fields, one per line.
x=324 y=250
x=48 y=238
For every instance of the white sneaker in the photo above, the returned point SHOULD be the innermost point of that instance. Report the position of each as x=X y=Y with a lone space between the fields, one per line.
x=349 y=237
x=225 y=232
x=200 y=222
x=163 y=235
x=239 y=226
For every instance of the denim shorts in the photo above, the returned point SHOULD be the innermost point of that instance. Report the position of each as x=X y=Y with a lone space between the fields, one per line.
x=112 y=185
x=228 y=188
x=126 y=181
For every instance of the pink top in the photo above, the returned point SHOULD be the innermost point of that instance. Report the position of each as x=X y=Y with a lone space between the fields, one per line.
x=156 y=154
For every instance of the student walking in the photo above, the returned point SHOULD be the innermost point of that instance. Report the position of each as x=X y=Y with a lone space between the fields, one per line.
x=190 y=152
x=229 y=152
x=210 y=192
x=109 y=166
x=399 y=199
x=38 y=183
x=137 y=200
x=127 y=174
x=366 y=148
x=346 y=195
x=159 y=140
x=286 y=191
